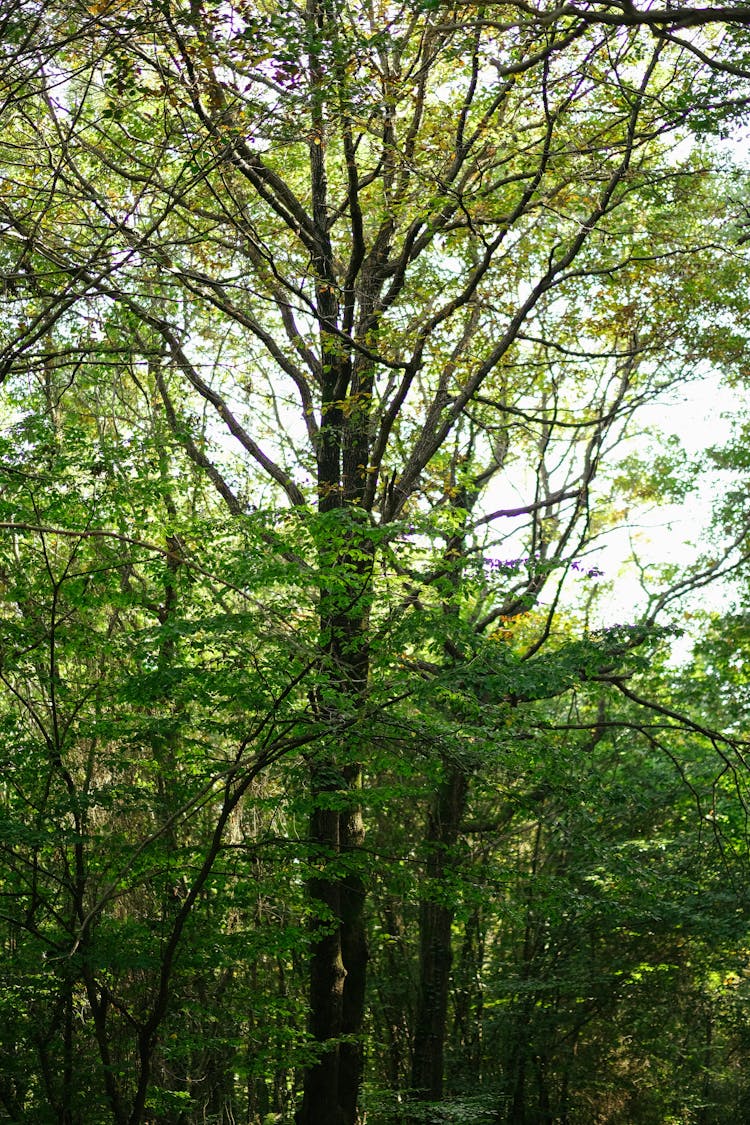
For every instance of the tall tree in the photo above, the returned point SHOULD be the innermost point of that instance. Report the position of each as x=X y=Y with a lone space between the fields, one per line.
x=395 y=256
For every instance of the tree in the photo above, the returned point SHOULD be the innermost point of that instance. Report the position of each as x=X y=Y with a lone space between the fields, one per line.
x=382 y=266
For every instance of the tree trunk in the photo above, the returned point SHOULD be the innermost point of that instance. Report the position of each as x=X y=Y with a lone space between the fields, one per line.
x=435 y=952
x=355 y=954
x=339 y=954
x=320 y=1103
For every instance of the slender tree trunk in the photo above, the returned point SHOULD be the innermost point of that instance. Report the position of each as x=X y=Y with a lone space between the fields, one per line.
x=519 y=1053
x=320 y=1103
x=355 y=954
x=468 y=1000
x=435 y=926
x=435 y=916
x=517 y=1112
x=703 y=1114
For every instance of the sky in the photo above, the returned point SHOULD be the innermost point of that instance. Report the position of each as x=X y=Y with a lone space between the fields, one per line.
x=700 y=414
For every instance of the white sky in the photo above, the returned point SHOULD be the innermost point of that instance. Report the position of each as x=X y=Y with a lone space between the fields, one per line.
x=700 y=413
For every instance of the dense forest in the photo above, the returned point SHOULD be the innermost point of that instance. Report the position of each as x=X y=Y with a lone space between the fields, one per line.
x=340 y=780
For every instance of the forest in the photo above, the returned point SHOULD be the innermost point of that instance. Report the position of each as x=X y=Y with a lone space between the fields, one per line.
x=345 y=777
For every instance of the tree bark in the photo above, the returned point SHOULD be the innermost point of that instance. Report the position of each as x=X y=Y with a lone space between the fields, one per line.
x=435 y=949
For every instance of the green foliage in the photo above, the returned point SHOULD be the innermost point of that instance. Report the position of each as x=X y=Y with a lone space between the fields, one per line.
x=326 y=333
